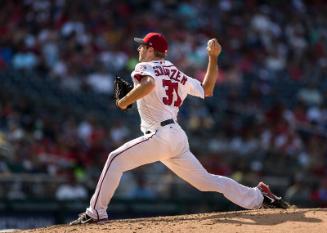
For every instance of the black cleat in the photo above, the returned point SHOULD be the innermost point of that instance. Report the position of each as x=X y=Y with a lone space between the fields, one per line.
x=83 y=218
x=270 y=200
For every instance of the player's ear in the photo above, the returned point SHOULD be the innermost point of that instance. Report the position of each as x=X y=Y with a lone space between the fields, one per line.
x=151 y=49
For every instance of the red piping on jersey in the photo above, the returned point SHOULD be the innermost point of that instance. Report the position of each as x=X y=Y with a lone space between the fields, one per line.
x=138 y=77
x=97 y=214
x=96 y=200
x=168 y=65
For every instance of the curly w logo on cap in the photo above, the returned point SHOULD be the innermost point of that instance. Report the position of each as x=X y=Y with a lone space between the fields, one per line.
x=155 y=40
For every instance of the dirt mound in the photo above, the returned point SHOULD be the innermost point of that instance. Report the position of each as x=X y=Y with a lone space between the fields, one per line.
x=269 y=220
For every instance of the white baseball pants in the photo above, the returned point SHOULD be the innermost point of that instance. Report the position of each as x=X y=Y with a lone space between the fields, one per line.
x=168 y=144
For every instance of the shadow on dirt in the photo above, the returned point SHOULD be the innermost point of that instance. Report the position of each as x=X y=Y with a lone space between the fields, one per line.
x=267 y=219
x=264 y=217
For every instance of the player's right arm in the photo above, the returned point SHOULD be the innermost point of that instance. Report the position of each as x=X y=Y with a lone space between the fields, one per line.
x=211 y=75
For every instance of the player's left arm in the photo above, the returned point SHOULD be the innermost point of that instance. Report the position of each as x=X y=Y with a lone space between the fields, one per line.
x=211 y=75
x=143 y=88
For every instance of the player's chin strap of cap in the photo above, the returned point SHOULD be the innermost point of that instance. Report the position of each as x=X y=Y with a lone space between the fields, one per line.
x=164 y=123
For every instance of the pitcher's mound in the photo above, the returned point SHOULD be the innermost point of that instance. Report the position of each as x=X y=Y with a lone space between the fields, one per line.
x=269 y=220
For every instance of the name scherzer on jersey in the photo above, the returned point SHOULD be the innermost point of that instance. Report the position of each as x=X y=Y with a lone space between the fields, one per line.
x=171 y=88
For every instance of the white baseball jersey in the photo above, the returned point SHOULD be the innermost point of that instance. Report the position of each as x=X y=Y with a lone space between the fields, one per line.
x=171 y=88
x=167 y=144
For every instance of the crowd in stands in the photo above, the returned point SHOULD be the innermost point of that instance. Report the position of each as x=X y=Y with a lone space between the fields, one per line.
x=268 y=118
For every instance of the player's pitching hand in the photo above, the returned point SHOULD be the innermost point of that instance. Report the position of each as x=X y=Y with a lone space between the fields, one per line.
x=213 y=48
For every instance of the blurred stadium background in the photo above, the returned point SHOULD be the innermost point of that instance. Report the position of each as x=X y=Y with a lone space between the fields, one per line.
x=267 y=120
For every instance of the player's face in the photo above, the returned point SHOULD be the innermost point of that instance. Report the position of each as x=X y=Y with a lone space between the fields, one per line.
x=144 y=54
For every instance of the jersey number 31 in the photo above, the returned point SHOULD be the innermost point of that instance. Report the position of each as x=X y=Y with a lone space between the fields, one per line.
x=171 y=88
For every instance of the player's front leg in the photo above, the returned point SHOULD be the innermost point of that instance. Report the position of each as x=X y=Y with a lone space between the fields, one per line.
x=132 y=154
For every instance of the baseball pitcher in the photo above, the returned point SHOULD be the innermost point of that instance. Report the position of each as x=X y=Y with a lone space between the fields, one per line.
x=159 y=90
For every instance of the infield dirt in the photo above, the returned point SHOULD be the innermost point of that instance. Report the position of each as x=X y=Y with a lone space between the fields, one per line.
x=263 y=220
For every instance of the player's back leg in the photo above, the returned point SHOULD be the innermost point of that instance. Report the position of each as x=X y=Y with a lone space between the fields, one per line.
x=187 y=167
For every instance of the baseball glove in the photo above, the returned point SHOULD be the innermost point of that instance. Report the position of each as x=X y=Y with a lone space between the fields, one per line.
x=121 y=88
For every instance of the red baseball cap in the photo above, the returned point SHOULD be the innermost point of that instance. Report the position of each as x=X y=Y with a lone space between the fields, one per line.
x=155 y=40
